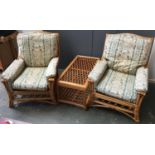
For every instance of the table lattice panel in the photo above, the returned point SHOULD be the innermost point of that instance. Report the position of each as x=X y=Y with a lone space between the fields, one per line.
x=70 y=94
x=78 y=72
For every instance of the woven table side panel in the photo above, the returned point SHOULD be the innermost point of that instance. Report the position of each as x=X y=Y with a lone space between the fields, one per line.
x=71 y=95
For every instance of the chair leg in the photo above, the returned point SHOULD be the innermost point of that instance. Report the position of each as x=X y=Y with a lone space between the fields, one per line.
x=137 y=108
x=52 y=89
x=54 y=94
x=55 y=87
x=10 y=94
x=54 y=97
x=11 y=102
x=136 y=116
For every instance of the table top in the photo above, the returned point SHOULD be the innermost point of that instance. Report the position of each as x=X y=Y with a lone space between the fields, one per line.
x=76 y=74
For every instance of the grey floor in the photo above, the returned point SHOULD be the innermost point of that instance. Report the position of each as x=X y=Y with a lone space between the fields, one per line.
x=67 y=114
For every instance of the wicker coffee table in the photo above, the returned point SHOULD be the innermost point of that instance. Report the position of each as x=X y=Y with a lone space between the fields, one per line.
x=73 y=84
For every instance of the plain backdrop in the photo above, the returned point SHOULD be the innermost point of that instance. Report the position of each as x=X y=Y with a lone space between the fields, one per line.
x=77 y=139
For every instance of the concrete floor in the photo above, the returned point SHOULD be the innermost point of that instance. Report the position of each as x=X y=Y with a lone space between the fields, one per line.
x=67 y=114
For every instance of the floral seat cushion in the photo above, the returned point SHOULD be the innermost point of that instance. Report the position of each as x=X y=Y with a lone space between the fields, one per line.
x=126 y=52
x=119 y=85
x=32 y=78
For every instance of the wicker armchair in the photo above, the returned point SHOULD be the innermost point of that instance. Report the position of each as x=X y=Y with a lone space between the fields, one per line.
x=32 y=76
x=121 y=76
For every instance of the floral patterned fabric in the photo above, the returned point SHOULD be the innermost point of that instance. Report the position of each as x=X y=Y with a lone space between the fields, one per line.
x=142 y=79
x=52 y=67
x=37 y=48
x=126 y=52
x=14 y=70
x=98 y=71
x=32 y=78
x=119 y=85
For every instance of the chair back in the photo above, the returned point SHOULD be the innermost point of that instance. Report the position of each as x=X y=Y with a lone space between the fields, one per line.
x=125 y=52
x=38 y=47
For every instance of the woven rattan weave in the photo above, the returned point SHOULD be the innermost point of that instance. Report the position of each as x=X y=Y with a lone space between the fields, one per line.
x=73 y=84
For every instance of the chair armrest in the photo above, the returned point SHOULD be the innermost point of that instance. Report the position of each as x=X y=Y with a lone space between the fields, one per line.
x=141 y=82
x=98 y=71
x=14 y=70
x=52 y=68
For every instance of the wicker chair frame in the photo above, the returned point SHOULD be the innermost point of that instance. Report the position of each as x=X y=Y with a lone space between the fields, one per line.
x=21 y=96
x=130 y=109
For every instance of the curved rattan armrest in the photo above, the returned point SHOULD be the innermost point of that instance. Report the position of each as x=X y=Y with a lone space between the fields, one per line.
x=14 y=70
x=52 y=68
x=141 y=81
x=98 y=71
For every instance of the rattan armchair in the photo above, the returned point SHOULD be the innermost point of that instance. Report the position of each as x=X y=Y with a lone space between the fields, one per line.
x=120 y=77
x=32 y=77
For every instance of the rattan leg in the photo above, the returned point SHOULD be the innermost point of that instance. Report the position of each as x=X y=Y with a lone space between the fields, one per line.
x=10 y=94
x=52 y=89
x=55 y=88
x=90 y=97
x=137 y=108
x=11 y=103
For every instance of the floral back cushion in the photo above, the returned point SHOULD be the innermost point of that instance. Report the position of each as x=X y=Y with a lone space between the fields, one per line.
x=37 y=48
x=126 y=52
